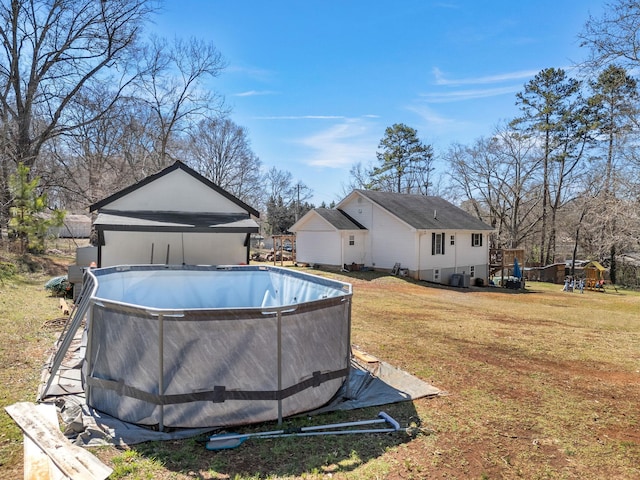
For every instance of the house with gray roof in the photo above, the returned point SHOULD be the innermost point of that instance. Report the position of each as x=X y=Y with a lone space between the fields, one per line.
x=427 y=236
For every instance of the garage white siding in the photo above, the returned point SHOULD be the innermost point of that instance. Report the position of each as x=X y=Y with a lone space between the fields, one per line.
x=160 y=195
x=187 y=248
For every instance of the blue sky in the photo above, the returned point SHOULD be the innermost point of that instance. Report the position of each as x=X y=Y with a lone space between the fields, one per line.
x=317 y=82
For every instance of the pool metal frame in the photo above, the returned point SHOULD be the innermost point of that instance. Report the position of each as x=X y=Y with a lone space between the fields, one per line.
x=88 y=298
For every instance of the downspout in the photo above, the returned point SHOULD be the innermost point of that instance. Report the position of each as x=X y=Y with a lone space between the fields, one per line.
x=417 y=275
x=455 y=253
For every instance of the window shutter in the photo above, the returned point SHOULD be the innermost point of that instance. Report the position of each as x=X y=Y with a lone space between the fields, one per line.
x=480 y=239
x=472 y=239
x=443 y=242
x=433 y=243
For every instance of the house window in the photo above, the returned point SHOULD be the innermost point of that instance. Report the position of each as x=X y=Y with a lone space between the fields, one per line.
x=472 y=271
x=436 y=275
x=437 y=243
x=352 y=239
x=476 y=239
x=453 y=240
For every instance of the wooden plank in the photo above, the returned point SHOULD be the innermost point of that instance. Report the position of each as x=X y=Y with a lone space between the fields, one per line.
x=73 y=461
x=64 y=306
x=37 y=464
x=364 y=357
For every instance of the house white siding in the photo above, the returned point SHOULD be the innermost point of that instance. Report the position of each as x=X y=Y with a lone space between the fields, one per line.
x=315 y=223
x=361 y=210
x=356 y=253
x=387 y=242
x=458 y=258
x=390 y=242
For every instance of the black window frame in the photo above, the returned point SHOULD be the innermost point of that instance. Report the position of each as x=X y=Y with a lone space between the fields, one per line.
x=476 y=239
x=435 y=237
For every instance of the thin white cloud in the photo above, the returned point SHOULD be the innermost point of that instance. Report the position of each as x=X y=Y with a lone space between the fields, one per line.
x=447 y=5
x=342 y=144
x=254 y=93
x=438 y=128
x=489 y=79
x=462 y=95
x=252 y=72
x=302 y=117
x=430 y=116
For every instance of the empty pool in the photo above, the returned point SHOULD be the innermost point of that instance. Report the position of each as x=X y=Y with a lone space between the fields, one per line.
x=191 y=346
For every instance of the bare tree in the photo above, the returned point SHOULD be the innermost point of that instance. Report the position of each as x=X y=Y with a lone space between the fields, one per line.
x=498 y=178
x=221 y=151
x=519 y=179
x=171 y=85
x=52 y=51
x=614 y=36
x=358 y=178
x=90 y=162
x=286 y=201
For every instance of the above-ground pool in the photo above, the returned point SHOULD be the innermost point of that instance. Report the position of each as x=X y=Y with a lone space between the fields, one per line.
x=189 y=346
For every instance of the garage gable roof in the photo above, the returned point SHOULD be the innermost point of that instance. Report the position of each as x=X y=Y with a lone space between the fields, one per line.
x=424 y=212
x=339 y=219
x=181 y=166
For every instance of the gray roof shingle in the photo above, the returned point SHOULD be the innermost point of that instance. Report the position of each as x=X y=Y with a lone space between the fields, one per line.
x=424 y=212
x=339 y=219
x=140 y=221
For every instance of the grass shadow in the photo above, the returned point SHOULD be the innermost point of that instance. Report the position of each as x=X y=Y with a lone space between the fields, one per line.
x=287 y=456
x=372 y=275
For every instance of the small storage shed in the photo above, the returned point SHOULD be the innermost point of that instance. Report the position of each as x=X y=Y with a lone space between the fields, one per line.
x=73 y=226
x=177 y=217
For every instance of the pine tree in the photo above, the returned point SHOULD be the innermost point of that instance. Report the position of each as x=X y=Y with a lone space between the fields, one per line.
x=405 y=163
x=27 y=222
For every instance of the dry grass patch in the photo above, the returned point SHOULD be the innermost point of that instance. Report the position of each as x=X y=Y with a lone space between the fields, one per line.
x=542 y=384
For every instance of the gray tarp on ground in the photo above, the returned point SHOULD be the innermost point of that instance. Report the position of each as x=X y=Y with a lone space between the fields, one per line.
x=370 y=384
x=288 y=353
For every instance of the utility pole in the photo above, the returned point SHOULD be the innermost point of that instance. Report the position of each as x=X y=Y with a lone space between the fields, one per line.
x=297 y=200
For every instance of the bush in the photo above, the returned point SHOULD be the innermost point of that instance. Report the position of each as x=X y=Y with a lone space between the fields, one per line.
x=7 y=270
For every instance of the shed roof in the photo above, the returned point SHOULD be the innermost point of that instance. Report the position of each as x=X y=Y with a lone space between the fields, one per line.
x=594 y=265
x=140 y=221
x=424 y=212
